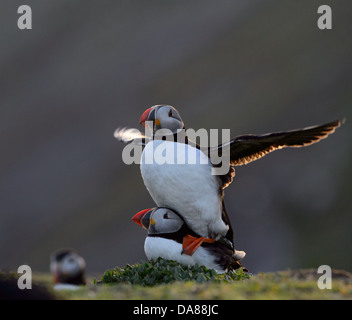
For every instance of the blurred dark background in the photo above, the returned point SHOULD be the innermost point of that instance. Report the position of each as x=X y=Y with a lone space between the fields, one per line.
x=88 y=67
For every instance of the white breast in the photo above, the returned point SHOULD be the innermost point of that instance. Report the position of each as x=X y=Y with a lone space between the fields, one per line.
x=66 y=286
x=178 y=176
x=156 y=247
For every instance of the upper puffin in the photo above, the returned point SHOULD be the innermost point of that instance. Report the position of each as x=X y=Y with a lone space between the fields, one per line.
x=190 y=187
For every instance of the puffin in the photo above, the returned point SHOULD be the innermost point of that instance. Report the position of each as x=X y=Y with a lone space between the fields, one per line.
x=170 y=238
x=68 y=269
x=190 y=187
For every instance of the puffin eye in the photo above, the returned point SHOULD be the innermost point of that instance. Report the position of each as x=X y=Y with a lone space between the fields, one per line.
x=166 y=216
x=170 y=113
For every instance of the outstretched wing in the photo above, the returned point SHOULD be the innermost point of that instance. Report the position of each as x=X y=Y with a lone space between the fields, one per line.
x=128 y=135
x=248 y=148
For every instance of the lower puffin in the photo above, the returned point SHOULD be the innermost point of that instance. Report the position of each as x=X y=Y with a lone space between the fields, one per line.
x=170 y=238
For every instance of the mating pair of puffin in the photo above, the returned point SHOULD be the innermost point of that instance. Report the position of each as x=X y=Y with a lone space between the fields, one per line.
x=189 y=192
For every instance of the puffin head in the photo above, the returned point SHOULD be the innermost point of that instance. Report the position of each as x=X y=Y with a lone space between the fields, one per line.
x=67 y=267
x=159 y=220
x=162 y=117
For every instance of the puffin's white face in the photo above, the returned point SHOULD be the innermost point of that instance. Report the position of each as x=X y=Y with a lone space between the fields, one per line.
x=163 y=220
x=72 y=264
x=163 y=117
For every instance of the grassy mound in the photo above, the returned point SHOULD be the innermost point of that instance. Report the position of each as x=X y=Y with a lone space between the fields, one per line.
x=166 y=271
x=289 y=284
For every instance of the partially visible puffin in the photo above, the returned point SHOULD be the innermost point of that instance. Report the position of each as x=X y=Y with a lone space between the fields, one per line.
x=169 y=237
x=192 y=189
x=68 y=269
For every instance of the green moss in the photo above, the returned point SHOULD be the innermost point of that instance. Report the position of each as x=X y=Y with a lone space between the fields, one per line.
x=166 y=271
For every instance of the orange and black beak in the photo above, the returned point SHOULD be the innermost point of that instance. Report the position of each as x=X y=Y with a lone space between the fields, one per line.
x=142 y=218
x=148 y=115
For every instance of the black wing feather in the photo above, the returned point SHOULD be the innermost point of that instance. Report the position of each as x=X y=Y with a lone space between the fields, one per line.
x=248 y=148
